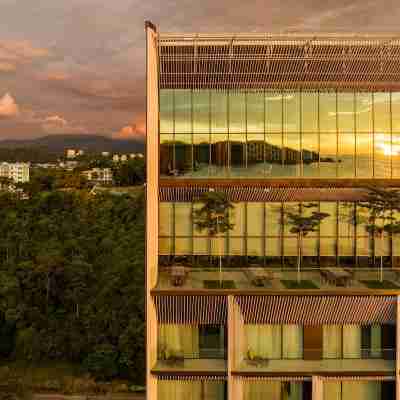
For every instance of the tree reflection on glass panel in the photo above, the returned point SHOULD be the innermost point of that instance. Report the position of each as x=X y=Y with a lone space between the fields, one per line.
x=255 y=111
x=346 y=112
x=255 y=155
x=166 y=111
x=364 y=112
x=219 y=111
x=292 y=154
x=167 y=155
x=201 y=155
x=383 y=155
x=327 y=111
x=237 y=111
x=309 y=112
x=183 y=111
x=310 y=154
x=237 y=143
x=382 y=112
x=274 y=115
x=328 y=155
x=291 y=111
x=346 y=155
x=201 y=111
x=183 y=154
x=364 y=155
x=219 y=155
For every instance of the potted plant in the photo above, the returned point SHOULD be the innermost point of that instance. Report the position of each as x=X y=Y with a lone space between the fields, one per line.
x=214 y=217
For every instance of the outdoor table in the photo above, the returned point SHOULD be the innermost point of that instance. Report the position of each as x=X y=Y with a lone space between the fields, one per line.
x=337 y=276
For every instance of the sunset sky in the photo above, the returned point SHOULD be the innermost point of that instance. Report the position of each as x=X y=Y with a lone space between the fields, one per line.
x=77 y=66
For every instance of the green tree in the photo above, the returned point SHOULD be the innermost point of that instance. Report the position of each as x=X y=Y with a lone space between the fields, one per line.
x=302 y=225
x=214 y=217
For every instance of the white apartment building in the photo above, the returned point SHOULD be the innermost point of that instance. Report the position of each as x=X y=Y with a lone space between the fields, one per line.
x=99 y=175
x=17 y=172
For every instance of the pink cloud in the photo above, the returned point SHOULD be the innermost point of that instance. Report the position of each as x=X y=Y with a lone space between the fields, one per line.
x=8 y=107
x=128 y=132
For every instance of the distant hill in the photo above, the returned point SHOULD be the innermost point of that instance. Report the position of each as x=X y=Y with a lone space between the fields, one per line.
x=90 y=143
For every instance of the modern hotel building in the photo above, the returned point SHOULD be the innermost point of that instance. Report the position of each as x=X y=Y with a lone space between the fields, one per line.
x=280 y=124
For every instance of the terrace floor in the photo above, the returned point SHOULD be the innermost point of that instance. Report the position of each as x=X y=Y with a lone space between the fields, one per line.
x=278 y=279
x=363 y=366
x=209 y=366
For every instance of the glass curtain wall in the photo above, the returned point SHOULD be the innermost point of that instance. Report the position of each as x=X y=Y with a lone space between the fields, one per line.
x=191 y=390
x=261 y=236
x=256 y=134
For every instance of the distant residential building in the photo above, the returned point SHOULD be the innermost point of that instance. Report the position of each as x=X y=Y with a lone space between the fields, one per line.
x=68 y=165
x=105 y=153
x=17 y=172
x=99 y=175
x=124 y=157
x=115 y=158
x=139 y=155
x=72 y=153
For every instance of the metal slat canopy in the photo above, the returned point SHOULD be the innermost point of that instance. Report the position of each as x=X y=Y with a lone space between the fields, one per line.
x=280 y=61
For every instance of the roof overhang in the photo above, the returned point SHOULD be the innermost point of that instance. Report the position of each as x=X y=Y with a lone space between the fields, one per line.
x=280 y=61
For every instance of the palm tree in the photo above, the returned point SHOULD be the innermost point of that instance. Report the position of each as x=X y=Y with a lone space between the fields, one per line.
x=384 y=208
x=302 y=225
x=214 y=217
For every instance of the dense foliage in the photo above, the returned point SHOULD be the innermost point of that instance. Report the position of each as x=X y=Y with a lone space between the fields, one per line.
x=71 y=281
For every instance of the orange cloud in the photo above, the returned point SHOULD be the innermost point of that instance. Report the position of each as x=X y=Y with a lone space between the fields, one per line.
x=8 y=107
x=7 y=67
x=128 y=132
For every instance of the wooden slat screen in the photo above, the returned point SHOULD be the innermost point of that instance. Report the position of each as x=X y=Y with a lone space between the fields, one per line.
x=191 y=309
x=316 y=310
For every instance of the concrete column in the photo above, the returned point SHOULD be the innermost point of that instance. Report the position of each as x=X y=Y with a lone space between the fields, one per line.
x=151 y=204
x=317 y=388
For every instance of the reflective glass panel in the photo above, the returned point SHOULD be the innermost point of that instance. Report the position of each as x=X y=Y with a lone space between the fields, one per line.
x=274 y=115
x=237 y=111
x=166 y=155
x=328 y=225
x=310 y=154
x=238 y=218
x=165 y=219
x=364 y=155
x=292 y=154
x=183 y=219
x=328 y=112
x=347 y=219
x=346 y=155
x=381 y=112
x=273 y=155
x=201 y=111
x=346 y=112
x=382 y=156
x=328 y=151
x=396 y=155
x=238 y=159
x=309 y=113
x=291 y=111
x=183 y=154
x=255 y=112
x=219 y=111
x=201 y=155
x=255 y=219
x=273 y=218
x=396 y=111
x=219 y=155
x=166 y=111
x=364 y=112
x=255 y=155
x=183 y=111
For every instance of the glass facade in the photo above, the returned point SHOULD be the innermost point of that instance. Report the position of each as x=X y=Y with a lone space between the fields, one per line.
x=261 y=237
x=271 y=134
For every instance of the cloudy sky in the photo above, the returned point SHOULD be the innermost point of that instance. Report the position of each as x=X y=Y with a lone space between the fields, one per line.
x=77 y=66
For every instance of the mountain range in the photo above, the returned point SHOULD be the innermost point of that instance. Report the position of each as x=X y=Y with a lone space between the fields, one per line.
x=90 y=143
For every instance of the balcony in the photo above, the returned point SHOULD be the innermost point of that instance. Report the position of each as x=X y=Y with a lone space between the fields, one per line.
x=196 y=349
x=178 y=277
